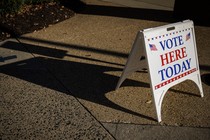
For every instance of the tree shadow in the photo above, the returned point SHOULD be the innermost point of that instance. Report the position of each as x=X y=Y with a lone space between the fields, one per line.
x=81 y=80
x=95 y=83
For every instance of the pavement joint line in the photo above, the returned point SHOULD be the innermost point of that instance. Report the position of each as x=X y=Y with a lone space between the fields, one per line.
x=63 y=85
x=155 y=125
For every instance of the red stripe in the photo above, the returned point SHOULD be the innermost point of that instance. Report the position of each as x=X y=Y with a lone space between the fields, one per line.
x=175 y=78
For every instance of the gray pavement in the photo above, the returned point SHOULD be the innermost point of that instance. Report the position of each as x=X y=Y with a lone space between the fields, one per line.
x=35 y=105
x=58 y=83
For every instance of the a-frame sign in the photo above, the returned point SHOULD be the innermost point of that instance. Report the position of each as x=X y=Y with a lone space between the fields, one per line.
x=169 y=53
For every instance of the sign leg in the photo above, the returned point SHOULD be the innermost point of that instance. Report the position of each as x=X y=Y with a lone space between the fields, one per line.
x=158 y=99
x=197 y=80
x=136 y=60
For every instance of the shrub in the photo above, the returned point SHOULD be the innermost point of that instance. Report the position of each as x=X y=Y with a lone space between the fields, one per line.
x=12 y=6
x=9 y=6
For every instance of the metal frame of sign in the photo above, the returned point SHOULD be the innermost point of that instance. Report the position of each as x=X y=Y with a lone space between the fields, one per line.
x=169 y=53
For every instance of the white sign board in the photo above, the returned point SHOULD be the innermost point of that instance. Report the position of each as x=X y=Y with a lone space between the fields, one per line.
x=171 y=56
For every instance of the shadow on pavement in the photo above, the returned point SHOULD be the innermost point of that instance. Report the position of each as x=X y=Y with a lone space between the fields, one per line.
x=125 y=12
x=83 y=81
x=182 y=11
x=128 y=12
x=206 y=78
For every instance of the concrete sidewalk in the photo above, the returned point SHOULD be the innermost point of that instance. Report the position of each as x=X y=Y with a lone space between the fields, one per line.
x=35 y=105
x=58 y=83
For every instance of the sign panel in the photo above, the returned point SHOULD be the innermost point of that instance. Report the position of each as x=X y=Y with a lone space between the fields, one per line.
x=171 y=57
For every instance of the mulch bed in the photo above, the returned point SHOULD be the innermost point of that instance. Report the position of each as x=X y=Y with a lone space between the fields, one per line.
x=32 y=18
